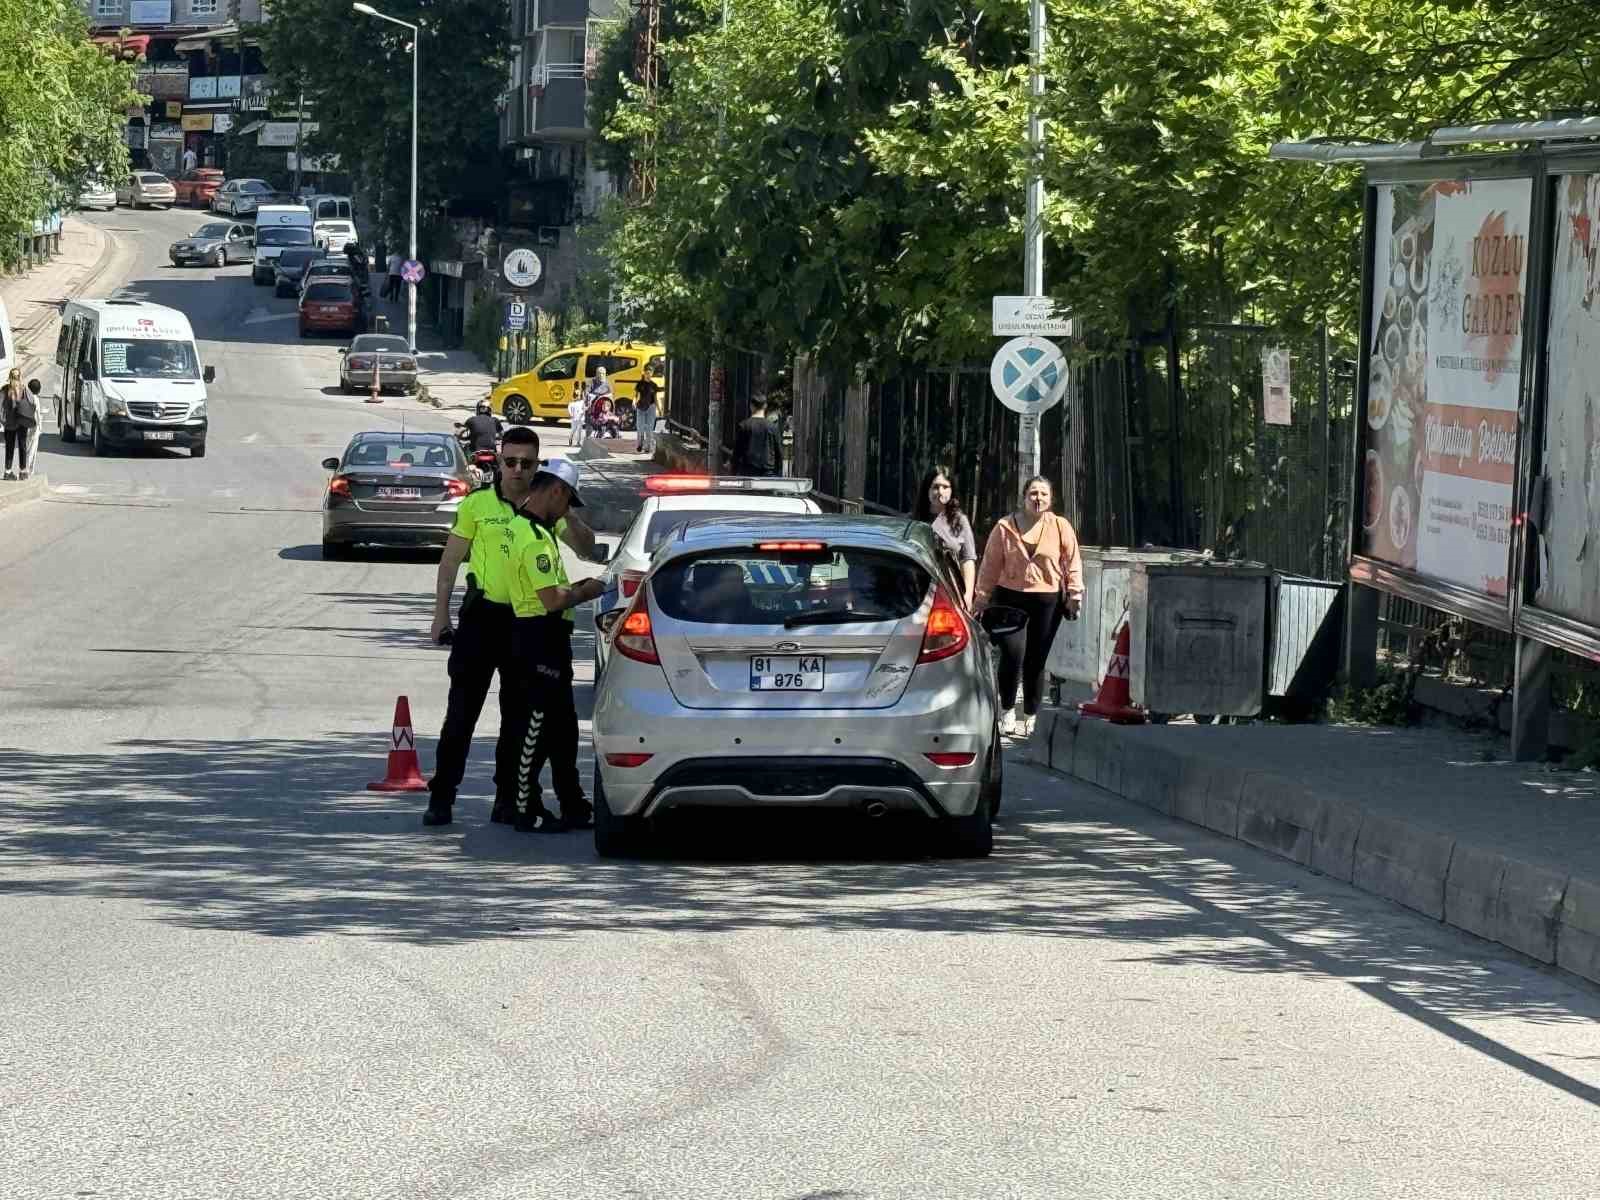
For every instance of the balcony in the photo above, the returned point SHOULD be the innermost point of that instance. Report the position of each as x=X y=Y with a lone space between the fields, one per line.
x=560 y=102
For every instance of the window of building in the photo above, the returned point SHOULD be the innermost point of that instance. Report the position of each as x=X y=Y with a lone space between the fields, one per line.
x=108 y=8
x=202 y=8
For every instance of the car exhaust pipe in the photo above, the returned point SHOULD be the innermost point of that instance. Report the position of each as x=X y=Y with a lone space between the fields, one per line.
x=875 y=809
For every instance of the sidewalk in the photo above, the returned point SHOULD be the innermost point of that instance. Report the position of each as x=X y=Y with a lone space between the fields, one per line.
x=1434 y=819
x=612 y=474
x=454 y=378
x=34 y=302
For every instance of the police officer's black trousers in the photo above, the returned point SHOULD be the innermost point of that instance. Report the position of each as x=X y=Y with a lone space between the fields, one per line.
x=543 y=720
x=481 y=647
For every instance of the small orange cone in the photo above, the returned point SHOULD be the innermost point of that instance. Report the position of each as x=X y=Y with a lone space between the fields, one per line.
x=405 y=772
x=1113 y=701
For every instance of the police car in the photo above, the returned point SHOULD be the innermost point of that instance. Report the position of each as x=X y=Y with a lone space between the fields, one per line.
x=671 y=501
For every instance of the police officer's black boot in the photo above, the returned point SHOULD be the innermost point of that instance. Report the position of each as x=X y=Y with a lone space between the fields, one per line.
x=439 y=811
x=536 y=818
x=504 y=812
x=577 y=813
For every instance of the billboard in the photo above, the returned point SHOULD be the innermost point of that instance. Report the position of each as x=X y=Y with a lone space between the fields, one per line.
x=1444 y=379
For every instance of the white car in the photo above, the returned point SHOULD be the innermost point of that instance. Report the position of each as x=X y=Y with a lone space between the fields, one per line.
x=672 y=501
x=333 y=236
x=97 y=193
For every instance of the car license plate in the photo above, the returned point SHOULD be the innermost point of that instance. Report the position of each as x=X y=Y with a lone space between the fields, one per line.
x=796 y=674
x=328 y=312
x=399 y=493
x=158 y=435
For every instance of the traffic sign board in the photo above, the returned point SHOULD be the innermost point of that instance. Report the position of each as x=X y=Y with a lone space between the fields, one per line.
x=411 y=271
x=1028 y=374
x=1029 y=314
x=522 y=268
x=516 y=315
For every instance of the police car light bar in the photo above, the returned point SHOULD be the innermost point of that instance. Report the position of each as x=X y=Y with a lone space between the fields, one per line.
x=673 y=484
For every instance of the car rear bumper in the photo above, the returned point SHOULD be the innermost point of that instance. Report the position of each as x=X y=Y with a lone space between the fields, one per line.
x=344 y=321
x=822 y=758
x=395 y=379
x=349 y=524
x=121 y=431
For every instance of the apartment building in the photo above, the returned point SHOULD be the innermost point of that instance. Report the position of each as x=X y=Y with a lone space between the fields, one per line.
x=202 y=75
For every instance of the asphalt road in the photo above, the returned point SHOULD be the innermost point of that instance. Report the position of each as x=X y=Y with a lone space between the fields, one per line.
x=229 y=971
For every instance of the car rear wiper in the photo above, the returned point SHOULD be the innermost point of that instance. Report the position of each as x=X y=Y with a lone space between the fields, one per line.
x=835 y=616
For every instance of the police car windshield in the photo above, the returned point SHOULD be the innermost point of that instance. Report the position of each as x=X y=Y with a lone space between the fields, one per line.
x=283 y=235
x=149 y=358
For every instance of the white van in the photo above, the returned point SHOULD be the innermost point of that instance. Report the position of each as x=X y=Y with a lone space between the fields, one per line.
x=333 y=221
x=279 y=227
x=130 y=375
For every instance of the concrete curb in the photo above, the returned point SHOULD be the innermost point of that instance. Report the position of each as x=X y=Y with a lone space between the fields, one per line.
x=1545 y=914
x=15 y=492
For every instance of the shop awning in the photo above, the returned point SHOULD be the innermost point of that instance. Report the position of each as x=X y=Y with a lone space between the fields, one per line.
x=222 y=33
x=139 y=43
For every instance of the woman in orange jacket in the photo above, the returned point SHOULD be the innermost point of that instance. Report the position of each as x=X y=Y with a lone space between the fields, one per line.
x=1030 y=562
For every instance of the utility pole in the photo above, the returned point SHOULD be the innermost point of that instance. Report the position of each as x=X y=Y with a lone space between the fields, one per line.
x=299 y=128
x=719 y=371
x=1033 y=235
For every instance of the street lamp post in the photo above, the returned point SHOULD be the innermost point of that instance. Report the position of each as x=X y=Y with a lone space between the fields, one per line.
x=416 y=53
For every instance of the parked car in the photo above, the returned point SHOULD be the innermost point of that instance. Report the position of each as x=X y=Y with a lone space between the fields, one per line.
x=288 y=269
x=330 y=305
x=334 y=236
x=543 y=393
x=198 y=188
x=142 y=189
x=241 y=197
x=800 y=661
x=670 y=503
x=393 y=489
x=333 y=268
x=97 y=193
x=385 y=352
x=217 y=243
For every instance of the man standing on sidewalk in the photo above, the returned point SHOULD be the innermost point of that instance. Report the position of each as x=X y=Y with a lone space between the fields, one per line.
x=391 y=286
x=644 y=411
x=756 y=448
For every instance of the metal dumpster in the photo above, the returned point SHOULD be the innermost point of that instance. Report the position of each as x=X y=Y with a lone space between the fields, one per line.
x=1083 y=647
x=1199 y=637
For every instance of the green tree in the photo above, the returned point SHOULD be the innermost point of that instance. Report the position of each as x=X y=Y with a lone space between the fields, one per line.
x=355 y=72
x=62 y=106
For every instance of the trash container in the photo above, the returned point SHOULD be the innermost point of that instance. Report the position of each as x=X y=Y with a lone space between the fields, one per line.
x=1199 y=637
x=1083 y=647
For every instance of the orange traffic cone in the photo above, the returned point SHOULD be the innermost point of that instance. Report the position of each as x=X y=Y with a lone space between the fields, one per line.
x=1113 y=701
x=405 y=773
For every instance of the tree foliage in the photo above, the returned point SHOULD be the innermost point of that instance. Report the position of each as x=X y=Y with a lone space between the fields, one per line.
x=355 y=72
x=62 y=111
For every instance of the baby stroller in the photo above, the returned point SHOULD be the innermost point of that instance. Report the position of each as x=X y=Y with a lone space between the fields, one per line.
x=602 y=418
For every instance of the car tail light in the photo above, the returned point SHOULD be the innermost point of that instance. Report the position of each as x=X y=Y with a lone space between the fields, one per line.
x=791 y=546
x=629 y=581
x=360 y=362
x=628 y=760
x=408 y=364
x=951 y=758
x=338 y=486
x=946 y=634
x=634 y=638
x=456 y=487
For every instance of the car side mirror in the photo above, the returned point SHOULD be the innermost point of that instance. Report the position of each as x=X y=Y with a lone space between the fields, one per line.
x=33 y=386
x=1001 y=620
x=209 y=375
x=331 y=464
x=606 y=620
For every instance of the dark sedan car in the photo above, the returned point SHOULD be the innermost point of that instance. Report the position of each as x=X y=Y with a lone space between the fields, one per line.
x=393 y=489
x=289 y=269
x=217 y=243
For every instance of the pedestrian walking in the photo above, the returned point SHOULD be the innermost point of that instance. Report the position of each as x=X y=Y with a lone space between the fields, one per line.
x=757 y=449
x=542 y=713
x=391 y=286
x=190 y=160
x=19 y=417
x=644 y=412
x=1030 y=562
x=480 y=641
x=937 y=505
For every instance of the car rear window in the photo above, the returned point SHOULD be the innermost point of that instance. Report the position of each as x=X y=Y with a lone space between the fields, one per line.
x=151 y=177
x=765 y=587
x=426 y=450
x=328 y=291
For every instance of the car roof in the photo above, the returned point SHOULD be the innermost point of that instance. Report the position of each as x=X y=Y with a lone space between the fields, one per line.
x=900 y=535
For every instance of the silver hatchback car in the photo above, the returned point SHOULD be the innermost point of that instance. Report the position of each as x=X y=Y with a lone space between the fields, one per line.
x=789 y=661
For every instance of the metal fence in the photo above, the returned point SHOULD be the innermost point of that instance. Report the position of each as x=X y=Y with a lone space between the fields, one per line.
x=1164 y=443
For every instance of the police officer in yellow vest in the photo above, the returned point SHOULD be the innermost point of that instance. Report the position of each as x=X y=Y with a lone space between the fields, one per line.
x=481 y=643
x=539 y=677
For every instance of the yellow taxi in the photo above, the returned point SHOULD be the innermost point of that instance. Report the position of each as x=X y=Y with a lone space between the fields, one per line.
x=543 y=393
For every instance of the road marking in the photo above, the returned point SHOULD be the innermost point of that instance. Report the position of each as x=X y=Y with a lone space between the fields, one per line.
x=250 y=437
x=261 y=316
